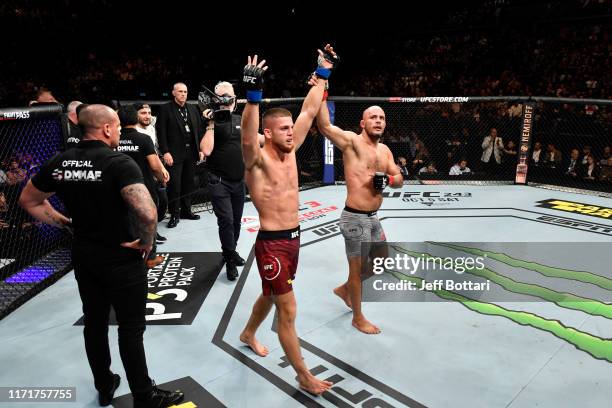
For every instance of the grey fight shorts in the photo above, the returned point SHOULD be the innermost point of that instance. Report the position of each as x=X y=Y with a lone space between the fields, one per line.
x=358 y=227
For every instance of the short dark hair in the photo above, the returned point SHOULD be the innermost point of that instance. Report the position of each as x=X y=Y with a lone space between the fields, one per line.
x=139 y=105
x=128 y=115
x=275 y=113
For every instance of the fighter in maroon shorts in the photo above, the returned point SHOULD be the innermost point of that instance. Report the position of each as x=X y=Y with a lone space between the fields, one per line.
x=271 y=174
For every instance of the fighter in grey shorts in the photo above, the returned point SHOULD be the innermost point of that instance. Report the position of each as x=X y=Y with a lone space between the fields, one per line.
x=369 y=167
x=359 y=227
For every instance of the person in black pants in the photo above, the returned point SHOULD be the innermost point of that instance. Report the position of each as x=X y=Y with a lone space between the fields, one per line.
x=179 y=129
x=221 y=147
x=114 y=219
x=140 y=148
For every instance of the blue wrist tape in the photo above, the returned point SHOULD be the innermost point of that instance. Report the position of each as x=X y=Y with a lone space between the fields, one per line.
x=323 y=72
x=254 y=96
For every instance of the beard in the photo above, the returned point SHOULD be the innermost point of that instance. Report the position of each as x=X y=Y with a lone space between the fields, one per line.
x=284 y=148
x=374 y=135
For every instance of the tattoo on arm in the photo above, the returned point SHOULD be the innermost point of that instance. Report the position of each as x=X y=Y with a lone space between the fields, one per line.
x=54 y=219
x=142 y=211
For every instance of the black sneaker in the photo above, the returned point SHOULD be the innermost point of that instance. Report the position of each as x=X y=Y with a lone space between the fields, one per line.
x=105 y=398
x=157 y=398
x=159 y=238
x=174 y=220
x=232 y=271
x=238 y=260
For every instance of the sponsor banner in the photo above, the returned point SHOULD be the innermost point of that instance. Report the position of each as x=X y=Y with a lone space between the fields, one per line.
x=195 y=395
x=521 y=168
x=430 y=99
x=578 y=208
x=428 y=198
x=178 y=287
x=14 y=115
x=328 y=150
x=309 y=211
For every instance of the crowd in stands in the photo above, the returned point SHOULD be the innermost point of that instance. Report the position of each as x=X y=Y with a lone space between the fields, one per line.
x=495 y=47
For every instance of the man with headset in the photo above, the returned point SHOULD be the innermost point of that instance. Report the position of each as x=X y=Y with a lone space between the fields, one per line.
x=221 y=147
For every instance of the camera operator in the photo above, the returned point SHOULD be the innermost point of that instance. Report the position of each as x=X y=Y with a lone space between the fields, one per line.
x=221 y=146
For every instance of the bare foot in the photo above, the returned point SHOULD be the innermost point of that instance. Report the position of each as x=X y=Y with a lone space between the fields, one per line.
x=255 y=345
x=312 y=384
x=342 y=292
x=365 y=326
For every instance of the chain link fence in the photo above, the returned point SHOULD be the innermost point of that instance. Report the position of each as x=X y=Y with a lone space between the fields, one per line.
x=568 y=141
x=563 y=143
x=32 y=254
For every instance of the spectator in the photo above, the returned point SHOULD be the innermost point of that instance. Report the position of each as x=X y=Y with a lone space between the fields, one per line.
x=553 y=157
x=537 y=155
x=454 y=149
x=591 y=169
x=586 y=152
x=3 y=177
x=606 y=171
x=15 y=174
x=429 y=169
x=421 y=155
x=492 y=148
x=460 y=168
x=402 y=163
x=574 y=166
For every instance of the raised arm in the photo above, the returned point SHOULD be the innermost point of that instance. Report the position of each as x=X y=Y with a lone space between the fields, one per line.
x=310 y=107
x=326 y=61
x=249 y=126
x=342 y=139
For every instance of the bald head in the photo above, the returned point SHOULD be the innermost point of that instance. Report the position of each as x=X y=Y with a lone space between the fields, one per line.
x=71 y=110
x=371 y=110
x=373 y=122
x=100 y=122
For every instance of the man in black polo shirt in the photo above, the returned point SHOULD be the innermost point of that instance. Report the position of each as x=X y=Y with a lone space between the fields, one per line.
x=140 y=148
x=114 y=219
x=221 y=146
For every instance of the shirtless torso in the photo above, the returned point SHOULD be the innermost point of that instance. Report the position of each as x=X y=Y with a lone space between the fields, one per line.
x=274 y=190
x=362 y=159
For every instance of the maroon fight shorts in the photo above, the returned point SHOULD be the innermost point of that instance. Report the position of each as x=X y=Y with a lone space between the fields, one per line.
x=277 y=255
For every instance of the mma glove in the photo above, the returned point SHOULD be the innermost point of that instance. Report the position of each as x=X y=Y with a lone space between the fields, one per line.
x=323 y=72
x=381 y=180
x=253 y=83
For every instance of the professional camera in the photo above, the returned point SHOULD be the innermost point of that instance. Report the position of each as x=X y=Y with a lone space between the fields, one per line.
x=207 y=99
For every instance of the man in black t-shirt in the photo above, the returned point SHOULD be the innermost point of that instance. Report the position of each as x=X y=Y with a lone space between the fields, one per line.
x=114 y=219
x=221 y=146
x=140 y=148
